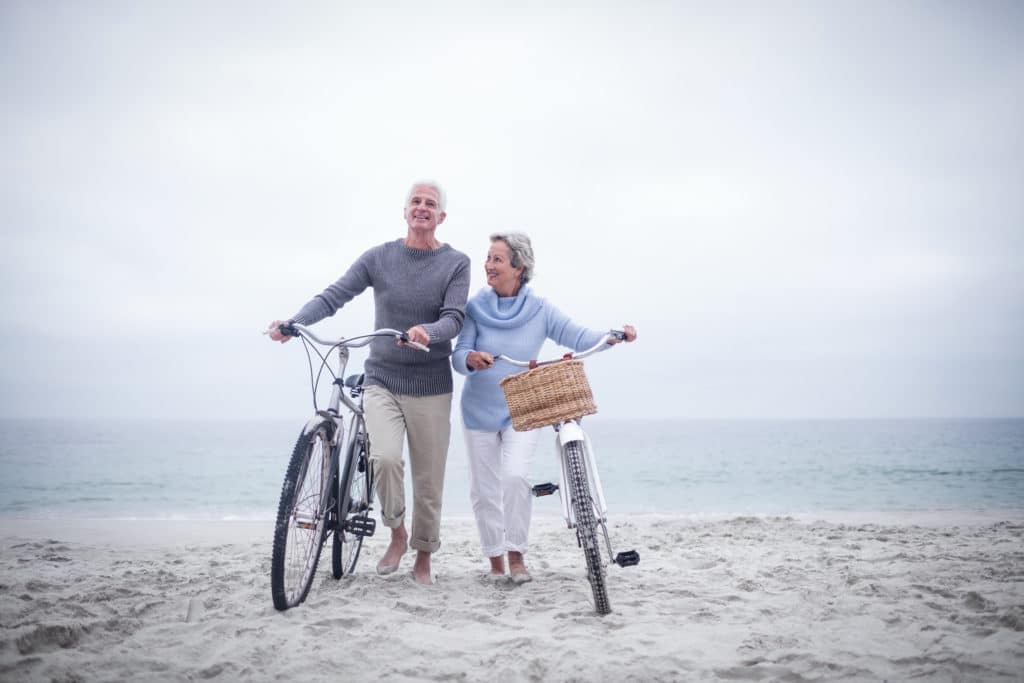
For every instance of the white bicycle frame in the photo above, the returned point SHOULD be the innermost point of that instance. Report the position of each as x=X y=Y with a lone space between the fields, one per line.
x=569 y=432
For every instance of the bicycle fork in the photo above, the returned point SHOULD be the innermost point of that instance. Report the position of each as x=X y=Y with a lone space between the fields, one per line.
x=567 y=433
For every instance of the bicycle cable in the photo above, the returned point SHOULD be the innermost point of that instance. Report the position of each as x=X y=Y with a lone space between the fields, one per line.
x=314 y=381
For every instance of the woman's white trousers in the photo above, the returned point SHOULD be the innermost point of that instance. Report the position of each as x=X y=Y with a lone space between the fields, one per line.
x=499 y=467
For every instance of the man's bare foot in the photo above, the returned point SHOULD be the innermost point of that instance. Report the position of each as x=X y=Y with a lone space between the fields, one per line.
x=517 y=568
x=421 y=569
x=393 y=555
x=497 y=565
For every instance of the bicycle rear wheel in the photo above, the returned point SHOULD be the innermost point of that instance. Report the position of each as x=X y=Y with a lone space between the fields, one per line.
x=586 y=524
x=354 y=501
x=306 y=497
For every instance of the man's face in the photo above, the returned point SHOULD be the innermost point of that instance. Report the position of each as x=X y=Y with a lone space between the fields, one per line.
x=423 y=212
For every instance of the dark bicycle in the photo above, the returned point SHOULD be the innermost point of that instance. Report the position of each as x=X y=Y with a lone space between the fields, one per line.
x=328 y=486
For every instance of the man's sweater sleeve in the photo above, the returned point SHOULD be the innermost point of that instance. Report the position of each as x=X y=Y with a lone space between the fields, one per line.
x=453 y=309
x=348 y=286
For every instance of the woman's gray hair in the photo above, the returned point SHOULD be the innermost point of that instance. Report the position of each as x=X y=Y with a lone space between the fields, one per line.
x=434 y=185
x=522 y=252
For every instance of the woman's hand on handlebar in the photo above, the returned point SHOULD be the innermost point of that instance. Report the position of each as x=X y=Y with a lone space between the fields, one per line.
x=479 y=360
x=629 y=334
x=274 y=329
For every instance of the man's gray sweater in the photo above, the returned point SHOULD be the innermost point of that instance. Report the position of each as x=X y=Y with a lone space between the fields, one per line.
x=410 y=287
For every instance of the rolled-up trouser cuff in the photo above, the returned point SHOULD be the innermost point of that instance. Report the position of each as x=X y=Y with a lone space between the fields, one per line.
x=392 y=523
x=426 y=546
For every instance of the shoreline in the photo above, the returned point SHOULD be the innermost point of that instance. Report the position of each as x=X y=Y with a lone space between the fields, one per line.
x=109 y=530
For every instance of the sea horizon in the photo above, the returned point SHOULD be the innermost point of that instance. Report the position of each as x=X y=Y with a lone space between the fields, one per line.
x=910 y=470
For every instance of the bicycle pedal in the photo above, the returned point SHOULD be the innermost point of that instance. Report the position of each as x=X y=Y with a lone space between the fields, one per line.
x=627 y=558
x=361 y=526
x=544 y=489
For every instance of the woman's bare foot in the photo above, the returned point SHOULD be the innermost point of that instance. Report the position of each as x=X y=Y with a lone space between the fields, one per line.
x=497 y=565
x=517 y=568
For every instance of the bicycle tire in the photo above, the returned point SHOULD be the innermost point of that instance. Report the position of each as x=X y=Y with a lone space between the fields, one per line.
x=354 y=503
x=302 y=516
x=586 y=524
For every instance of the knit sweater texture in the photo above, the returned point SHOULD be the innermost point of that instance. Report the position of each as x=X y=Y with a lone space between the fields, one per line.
x=515 y=327
x=410 y=287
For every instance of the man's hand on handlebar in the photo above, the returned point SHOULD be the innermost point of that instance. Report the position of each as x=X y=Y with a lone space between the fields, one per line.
x=417 y=334
x=274 y=329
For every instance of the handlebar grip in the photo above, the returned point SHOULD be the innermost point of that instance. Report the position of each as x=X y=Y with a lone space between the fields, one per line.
x=416 y=345
x=618 y=334
x=288 y=330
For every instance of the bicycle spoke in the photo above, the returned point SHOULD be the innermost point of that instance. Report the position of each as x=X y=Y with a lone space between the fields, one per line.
x=586 y=525
x=302 y=518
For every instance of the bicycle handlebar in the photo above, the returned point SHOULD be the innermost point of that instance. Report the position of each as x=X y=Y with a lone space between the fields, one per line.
x=612 y=334
x=299 y=330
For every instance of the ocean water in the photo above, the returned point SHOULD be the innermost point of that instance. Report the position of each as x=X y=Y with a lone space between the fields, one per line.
x=158 y=469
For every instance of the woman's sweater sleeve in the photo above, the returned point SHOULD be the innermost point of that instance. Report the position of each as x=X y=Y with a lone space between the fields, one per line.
x=467 y=343
x=565 y=332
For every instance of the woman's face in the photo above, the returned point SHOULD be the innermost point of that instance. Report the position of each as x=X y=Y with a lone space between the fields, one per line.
x=498 y=267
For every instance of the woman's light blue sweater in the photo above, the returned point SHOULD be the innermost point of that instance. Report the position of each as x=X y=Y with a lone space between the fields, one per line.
x=515 y=327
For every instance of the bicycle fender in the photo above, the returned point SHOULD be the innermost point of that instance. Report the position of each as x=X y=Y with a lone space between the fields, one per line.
x=569 y=432
x=318 y=420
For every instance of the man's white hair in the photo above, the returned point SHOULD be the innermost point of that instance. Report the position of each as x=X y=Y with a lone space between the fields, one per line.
x=433 y=184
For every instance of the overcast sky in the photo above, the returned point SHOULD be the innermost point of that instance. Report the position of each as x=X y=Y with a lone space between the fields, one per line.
x=807 y=209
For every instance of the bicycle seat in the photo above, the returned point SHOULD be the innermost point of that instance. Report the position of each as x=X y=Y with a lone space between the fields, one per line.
x=353 y=381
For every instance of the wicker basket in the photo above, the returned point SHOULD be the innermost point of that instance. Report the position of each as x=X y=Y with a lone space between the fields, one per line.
x=547 y=395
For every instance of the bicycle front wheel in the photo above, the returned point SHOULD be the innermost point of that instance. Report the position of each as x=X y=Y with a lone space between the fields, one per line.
x=354 y=501
x=302 y=518
x=586 y=524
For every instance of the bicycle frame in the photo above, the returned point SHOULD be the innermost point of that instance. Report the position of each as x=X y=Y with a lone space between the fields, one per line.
x=334 y=403
x=572 y=431
x=567 y=432
x=312 y=510
x=583 y=502
x=337 y=394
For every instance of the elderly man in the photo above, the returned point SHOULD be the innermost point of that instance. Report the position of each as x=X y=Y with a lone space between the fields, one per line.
x=419 y=285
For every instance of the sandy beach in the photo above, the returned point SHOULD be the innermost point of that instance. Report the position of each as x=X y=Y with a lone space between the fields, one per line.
x=736 y=599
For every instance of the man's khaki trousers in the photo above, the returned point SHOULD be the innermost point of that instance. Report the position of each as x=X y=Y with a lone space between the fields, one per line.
x=426 y=422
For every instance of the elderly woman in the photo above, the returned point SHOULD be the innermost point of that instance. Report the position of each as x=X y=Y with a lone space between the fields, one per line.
x=506 y=318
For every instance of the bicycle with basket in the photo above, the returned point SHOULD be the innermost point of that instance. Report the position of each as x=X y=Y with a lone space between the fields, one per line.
x=556 y=393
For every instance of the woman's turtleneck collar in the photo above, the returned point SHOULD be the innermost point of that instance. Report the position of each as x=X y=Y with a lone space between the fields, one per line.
x=488 y=308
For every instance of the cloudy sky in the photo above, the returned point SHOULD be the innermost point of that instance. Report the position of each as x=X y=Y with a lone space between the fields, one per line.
x=807 y=209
